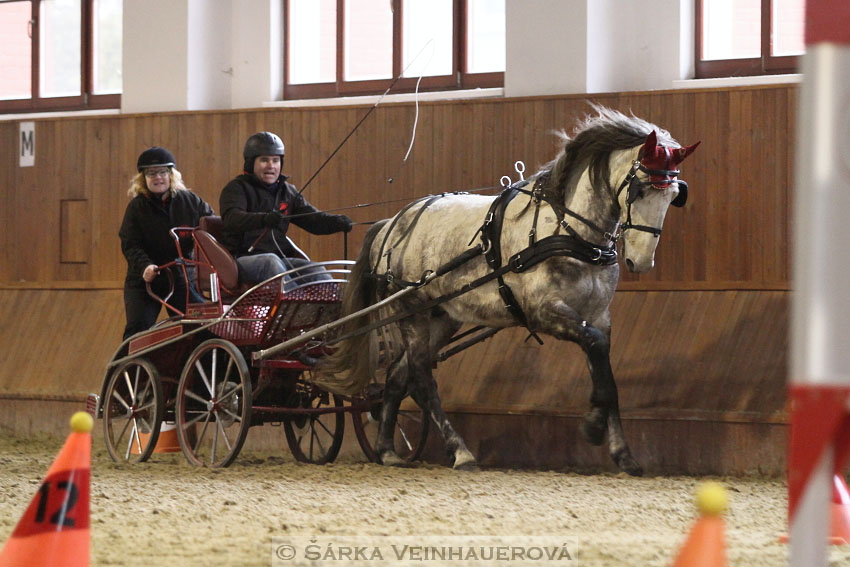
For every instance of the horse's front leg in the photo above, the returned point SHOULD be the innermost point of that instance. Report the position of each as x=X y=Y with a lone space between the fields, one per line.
x=604 y=414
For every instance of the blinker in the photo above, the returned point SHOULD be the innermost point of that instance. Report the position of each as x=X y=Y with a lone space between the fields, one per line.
x=682 y=197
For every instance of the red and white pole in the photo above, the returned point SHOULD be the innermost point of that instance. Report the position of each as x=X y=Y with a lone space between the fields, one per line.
x=820 y=317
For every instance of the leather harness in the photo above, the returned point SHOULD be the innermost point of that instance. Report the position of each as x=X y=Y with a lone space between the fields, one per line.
x=570 y=244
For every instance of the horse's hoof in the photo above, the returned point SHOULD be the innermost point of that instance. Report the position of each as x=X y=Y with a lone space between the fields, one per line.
x=390 y=459
x=628 y=465
x=465 y=462
x=593 y=432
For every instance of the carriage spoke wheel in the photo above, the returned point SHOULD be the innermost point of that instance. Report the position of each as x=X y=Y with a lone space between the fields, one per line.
x=411 y=432
x=315 y=437
x=213 y=404
x=132 y=411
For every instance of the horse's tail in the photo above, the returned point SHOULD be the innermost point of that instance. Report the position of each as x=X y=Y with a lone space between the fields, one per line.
x=354 y=362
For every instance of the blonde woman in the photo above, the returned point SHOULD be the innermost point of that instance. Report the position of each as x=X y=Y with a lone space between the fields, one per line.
x=160 y=201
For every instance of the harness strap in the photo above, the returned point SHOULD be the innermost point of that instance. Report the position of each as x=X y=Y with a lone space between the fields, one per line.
x=561 y=211
x=430 y=199
x=571 y=245
x=491 y=232
x=455 y=262
x=557 y=245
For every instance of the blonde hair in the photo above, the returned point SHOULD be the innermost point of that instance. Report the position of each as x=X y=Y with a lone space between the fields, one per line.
x=138 y=185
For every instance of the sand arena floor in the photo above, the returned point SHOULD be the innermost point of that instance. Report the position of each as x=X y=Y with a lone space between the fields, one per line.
x=166 y=512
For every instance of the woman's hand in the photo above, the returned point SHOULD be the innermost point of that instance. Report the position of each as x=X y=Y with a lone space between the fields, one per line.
x=150 y=273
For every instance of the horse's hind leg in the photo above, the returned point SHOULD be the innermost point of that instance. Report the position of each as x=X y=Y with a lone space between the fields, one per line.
x=395 y=390
x=604 y=414
x=424 y=334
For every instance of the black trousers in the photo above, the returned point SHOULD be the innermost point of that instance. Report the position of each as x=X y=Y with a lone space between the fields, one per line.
x=142 y=310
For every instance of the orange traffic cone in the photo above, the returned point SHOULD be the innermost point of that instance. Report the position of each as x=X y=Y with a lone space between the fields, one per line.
x=839 y=532
x=706 y=546
x=54 y=530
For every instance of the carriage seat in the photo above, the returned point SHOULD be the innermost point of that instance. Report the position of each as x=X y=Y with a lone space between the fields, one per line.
x=210 y=250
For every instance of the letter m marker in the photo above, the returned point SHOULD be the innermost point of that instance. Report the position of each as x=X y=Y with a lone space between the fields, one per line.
x=27 y=144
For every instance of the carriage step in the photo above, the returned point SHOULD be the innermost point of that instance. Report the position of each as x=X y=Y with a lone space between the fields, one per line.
x=93 y=405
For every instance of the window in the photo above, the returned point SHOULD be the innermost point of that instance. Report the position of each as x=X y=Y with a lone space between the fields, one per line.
x=60 y=54
x=748 y=37
x=351 y=47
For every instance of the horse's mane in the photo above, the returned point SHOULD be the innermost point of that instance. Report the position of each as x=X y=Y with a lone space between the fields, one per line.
x=591 y=145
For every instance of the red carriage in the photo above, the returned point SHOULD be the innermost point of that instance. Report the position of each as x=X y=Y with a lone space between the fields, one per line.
x=206 y=371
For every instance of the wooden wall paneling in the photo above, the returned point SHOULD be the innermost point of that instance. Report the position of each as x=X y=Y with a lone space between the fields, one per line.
x=9 y=176
x=623 y=327
x=785 y=199
x=419 y=175
x=718 y=178
x=232 y=161
x=741 y=132
x=495 y=157
x=768 y=241
x=129 y=134
x=343 y=171
x=762 y=209
x=671 y=257
x=701 y=193
x=540 y=145
x=35 y=210
x=394 y=133
x=473 y=143
x=446 y=163
x=74 y=232
x=104 y=195
x=691 y=226
x=739 y=140
x=63 y=350
x=779 y=184
x=70 y=150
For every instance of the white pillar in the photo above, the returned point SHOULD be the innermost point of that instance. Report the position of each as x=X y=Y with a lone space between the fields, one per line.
x=591 y=46
x=820 y=315
x=155 y=65
x=546 y=47
x=257 y=52
x=177 y=54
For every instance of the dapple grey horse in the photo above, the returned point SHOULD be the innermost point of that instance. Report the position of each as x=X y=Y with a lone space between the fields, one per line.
x=614 y=180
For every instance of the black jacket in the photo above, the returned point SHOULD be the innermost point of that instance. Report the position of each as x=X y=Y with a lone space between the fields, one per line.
x=144 y=232
x=244 y=203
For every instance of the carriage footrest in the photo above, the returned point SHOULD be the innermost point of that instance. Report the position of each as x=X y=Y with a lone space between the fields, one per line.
x=93 y=405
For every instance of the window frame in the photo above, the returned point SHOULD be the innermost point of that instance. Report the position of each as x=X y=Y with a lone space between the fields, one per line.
x=767 y=64
x=86 y=100
x=459 y=79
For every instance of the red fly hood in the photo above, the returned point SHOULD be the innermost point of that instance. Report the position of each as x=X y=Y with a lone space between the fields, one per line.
x=660 y=161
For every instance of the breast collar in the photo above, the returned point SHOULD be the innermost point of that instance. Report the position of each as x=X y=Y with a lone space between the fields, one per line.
x=570 y=244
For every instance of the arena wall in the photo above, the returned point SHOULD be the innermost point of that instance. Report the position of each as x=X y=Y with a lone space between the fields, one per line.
x=699 y=343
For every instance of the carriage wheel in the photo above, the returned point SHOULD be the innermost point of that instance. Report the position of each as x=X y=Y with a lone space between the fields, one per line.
x=315 y=438
x=132 y=411
x=213 y=404
x=411 y=432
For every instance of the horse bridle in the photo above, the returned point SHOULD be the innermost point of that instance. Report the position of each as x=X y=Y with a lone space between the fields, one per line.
x=636 y=186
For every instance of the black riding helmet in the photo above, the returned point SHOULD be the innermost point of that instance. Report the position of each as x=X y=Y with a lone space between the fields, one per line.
x=262 y=144
x=155 y=157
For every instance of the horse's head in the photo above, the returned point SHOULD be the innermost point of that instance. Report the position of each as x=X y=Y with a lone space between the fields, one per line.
x=653 y=185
